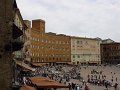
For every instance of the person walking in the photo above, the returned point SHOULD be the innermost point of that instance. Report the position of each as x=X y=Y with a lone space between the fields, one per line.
x=116 y=86
x=112 y=80
x=86 y=87
x=116 y=79
x=24 y=80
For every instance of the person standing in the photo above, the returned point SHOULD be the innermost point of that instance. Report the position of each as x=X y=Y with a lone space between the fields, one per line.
x=24 y=80
x=86 y=87
x=116 y=79
x=70 y=87
x=106 y=85
x=116 y=86
x=73 y=86
x=112 y=80
x=83 y=82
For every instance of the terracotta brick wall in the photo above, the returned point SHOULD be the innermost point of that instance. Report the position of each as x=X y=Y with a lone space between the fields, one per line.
x=48 y=47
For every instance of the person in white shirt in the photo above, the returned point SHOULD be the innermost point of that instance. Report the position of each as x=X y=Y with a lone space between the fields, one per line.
x=24 y=80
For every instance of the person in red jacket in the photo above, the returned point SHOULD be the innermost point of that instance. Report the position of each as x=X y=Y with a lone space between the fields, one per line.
x=86 y=87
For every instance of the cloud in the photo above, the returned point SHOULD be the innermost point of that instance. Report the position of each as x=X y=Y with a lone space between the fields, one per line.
x=92 y=18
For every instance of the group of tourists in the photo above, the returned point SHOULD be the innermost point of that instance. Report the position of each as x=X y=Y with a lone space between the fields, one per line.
x=65 y=73
x=97 y=77
x=59 y=73
x=54 y=72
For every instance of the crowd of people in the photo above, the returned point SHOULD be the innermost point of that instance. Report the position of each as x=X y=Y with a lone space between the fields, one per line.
x=59 y=73
x=64 y=73
x=97 y=77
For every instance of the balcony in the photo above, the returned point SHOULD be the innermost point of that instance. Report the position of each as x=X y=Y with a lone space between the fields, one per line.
x=16 y=32
x=17 y=44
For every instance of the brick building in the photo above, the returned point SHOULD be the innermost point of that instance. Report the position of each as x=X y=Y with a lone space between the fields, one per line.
x=110 y=53
x=48 y=47
x=27 y=42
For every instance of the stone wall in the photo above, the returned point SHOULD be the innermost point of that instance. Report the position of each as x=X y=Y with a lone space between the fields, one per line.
x=6 y=19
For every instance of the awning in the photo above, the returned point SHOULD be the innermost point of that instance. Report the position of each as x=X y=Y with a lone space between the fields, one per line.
x=44 y=82
x=70 y=63
x=39 y=64
x=16 y=32
x=25 y=87
x=93 y=62
x=26 y=66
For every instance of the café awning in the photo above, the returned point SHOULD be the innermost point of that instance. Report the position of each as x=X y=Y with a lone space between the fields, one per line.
x=44 y=82
x=25 y=87
x=26 y=66
x=39 y=64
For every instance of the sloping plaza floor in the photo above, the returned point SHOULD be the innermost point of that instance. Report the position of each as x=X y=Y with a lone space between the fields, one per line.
x=106 y=71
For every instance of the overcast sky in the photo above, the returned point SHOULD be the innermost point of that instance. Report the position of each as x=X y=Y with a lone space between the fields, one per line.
x=86 y=18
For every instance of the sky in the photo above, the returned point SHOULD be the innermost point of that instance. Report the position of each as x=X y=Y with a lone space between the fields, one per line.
x=83 y=18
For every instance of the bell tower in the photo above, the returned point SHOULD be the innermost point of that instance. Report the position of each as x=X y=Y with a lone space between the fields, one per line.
x=39 y=25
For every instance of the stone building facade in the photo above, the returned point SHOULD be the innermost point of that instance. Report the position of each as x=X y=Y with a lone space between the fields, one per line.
x=110 y=53
x=48 y=47
x=19 y=23
x=85 y=50
x=5 y=37
x=27 y=42
x=9 y=32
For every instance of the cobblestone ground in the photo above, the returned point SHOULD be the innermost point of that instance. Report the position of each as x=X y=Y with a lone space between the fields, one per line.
x=106 y=71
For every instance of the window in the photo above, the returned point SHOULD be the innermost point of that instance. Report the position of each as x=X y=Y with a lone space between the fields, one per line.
x=98 y=43
x=78 y=56
x=81 y=46
x=56 y=42
x=77 y=42
x=98 y=56
x=38 y=39
x=67 y=42
x=80 y=42
x=31 y=54
x=86 y=42
x=73 y=56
